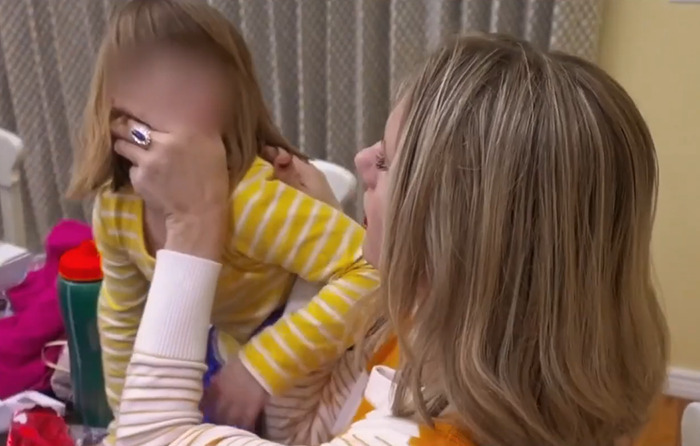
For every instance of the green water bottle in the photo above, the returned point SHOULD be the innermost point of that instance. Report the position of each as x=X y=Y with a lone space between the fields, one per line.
x=80 y=277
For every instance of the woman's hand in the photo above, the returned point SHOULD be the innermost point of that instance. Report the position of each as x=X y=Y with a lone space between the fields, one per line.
x=184 y=176
x=301 y=175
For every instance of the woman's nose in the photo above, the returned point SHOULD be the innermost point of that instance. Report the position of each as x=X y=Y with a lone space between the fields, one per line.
x=365 y=165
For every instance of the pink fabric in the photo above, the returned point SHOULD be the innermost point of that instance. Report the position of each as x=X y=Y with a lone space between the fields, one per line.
x=37 y=317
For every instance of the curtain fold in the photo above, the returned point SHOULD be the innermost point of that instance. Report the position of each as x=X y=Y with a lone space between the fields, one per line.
x=327 y=68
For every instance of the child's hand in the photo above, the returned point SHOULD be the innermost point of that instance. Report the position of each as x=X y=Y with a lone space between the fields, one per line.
x=301 y=175
x=234 y=397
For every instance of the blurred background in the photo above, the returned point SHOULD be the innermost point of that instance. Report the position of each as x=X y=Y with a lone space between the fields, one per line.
x=328 y=69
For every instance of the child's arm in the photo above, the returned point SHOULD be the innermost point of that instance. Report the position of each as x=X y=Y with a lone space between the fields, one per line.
x=122 y=297
x=277 y=224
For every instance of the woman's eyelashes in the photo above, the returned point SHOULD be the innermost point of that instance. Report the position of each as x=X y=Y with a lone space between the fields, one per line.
x=381 y=161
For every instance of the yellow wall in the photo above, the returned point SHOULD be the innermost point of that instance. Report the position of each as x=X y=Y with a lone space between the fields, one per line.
x=652 y=47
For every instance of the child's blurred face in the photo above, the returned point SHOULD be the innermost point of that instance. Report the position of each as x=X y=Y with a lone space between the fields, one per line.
x=171 y=87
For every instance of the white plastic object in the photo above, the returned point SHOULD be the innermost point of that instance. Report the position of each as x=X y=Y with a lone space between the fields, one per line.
x=14 y=265
x=690 y=425
x=26 y=400
x=341 y=180
x=11 y=207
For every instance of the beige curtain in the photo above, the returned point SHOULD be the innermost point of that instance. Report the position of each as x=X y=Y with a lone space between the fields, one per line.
x=327 y=67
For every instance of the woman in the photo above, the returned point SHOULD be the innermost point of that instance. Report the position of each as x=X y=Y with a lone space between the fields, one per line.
x=509 y=210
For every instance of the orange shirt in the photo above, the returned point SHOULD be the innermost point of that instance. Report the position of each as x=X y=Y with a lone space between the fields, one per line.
x=441 y=435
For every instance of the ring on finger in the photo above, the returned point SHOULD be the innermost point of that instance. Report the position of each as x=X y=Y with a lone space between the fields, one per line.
x=141 y=135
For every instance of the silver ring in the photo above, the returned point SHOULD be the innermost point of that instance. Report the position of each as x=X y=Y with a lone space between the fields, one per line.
x=141 y=135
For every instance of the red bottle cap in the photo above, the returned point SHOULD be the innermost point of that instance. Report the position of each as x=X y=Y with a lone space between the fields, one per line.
x=81 y=264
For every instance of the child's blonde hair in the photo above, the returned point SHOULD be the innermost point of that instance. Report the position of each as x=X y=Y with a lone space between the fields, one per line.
x=521 y=206
x=188 y=23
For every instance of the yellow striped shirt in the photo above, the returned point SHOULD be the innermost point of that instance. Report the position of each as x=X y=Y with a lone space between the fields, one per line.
x=278 y=233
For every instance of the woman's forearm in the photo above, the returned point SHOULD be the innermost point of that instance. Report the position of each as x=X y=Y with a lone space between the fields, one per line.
x=163 y=384
x=159 y=408
x=178 y=307
x=202 y=235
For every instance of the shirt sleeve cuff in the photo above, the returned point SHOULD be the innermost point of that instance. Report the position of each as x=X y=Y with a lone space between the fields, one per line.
x=176 y=319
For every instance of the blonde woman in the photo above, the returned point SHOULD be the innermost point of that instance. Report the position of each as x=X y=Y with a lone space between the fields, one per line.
x=509 y=211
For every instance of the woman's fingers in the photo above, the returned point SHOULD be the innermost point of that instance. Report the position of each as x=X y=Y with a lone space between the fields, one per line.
x=132 y=152
x=123 y=126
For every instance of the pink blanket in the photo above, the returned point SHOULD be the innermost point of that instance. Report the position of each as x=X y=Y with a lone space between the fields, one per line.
x=37 y=317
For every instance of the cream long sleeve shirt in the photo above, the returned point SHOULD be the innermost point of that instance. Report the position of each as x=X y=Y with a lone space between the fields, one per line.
x=163 y=385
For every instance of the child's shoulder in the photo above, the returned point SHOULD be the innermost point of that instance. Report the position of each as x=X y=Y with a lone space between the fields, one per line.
x=260 y=198
x=258 y=186
x=258 y=173
x=113 y=207
x=106 y=196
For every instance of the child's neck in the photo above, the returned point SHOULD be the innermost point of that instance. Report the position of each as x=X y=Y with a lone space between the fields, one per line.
x=153 y=229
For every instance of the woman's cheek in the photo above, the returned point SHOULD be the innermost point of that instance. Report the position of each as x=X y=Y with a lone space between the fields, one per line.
x=375 y=226
x=373 y=240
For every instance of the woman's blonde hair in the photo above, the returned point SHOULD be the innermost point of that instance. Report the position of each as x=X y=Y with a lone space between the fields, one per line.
x=186 y=23
x=522 y=203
